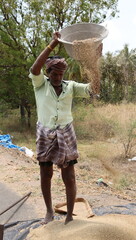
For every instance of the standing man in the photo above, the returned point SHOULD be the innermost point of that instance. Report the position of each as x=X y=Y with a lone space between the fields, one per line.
x=56 y=140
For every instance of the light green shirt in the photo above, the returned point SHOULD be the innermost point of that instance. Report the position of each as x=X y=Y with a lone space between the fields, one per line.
x=55 y=110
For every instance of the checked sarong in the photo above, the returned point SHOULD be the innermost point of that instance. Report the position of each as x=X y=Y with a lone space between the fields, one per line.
x=58 y=145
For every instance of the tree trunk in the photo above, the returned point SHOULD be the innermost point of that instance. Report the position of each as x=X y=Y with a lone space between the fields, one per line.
x=22 y=113
x=28 y=109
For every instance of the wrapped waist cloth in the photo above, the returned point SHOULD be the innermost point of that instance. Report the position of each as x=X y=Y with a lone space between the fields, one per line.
x=56 y=145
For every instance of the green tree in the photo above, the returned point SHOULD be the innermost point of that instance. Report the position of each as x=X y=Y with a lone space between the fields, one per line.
x=118 y=76
x=111 y=79
x=127 y=62
x=26 y=27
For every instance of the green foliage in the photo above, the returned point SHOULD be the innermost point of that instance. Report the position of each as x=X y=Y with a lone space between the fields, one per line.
x=73 y=71
x=27 y=26
x=127 y=61
x=5 y=108
x=118 y=76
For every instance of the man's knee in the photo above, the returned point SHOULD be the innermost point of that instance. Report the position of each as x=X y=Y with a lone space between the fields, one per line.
x=68 y=176
x=46 y=172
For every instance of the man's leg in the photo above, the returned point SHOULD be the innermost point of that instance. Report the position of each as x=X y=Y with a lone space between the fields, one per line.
x=68 y=176
x=46 y=175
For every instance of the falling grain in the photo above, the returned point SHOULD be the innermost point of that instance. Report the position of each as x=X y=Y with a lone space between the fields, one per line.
x=88 y=53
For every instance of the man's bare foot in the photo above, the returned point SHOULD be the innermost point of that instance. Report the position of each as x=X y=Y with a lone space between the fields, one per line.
x=48 y=218
x=68 y=219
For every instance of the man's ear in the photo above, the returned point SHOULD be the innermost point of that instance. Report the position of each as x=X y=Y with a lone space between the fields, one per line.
x=48 y=71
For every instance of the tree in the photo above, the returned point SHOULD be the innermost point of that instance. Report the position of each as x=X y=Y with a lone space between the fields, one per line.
x=26 y=27
x=118 y=76
x=127 y=62
x=111 y=79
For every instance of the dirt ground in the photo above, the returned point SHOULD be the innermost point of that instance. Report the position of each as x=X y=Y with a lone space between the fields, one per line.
x=21 y=174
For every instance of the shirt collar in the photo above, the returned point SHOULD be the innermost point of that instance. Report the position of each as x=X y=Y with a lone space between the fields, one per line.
x=63 y=81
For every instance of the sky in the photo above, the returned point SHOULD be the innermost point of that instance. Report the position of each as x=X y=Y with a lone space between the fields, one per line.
x=122 y=30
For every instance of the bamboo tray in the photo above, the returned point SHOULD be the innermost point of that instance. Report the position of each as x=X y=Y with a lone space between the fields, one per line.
x=81 y=208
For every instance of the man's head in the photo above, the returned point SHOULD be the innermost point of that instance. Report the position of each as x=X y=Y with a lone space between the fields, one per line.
x=55 y=68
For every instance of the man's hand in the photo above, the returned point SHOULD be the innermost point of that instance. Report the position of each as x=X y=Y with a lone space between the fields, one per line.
x=56 y=35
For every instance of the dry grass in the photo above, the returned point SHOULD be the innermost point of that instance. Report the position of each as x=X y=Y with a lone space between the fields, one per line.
x=102 y=132
x=107 y=129
x=100 y=143
x=107 y=123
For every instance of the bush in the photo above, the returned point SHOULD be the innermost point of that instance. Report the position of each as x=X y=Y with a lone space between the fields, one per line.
x=5 y=108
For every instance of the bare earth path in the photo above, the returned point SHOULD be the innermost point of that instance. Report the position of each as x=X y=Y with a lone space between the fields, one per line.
x=21 y=175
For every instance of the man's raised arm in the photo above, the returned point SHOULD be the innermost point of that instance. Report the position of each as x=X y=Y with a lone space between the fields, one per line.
x=40 y=61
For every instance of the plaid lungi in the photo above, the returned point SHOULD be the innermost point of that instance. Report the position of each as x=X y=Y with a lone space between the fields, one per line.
x=57 y=146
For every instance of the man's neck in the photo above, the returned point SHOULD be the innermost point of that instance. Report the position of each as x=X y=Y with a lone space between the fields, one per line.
x=58 y=89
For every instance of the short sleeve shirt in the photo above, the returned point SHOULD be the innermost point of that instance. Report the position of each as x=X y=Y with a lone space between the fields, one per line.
x=53 y=110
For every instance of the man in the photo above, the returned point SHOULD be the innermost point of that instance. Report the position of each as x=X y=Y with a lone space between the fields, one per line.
x=56 y=140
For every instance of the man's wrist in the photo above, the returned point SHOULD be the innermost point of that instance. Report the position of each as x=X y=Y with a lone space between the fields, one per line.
x=49 y=46
x=94 y=95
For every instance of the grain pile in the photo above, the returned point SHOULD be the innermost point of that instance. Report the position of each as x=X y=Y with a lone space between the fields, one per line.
x=88 y=53
x=107 y=227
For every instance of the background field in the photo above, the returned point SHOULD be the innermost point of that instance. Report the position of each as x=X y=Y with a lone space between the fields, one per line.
x=106 y=136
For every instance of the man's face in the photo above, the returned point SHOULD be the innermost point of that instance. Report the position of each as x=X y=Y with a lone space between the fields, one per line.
x=56 y=77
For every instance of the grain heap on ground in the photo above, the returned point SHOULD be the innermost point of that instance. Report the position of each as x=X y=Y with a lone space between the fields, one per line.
x=107 y=227
x=87 y=52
